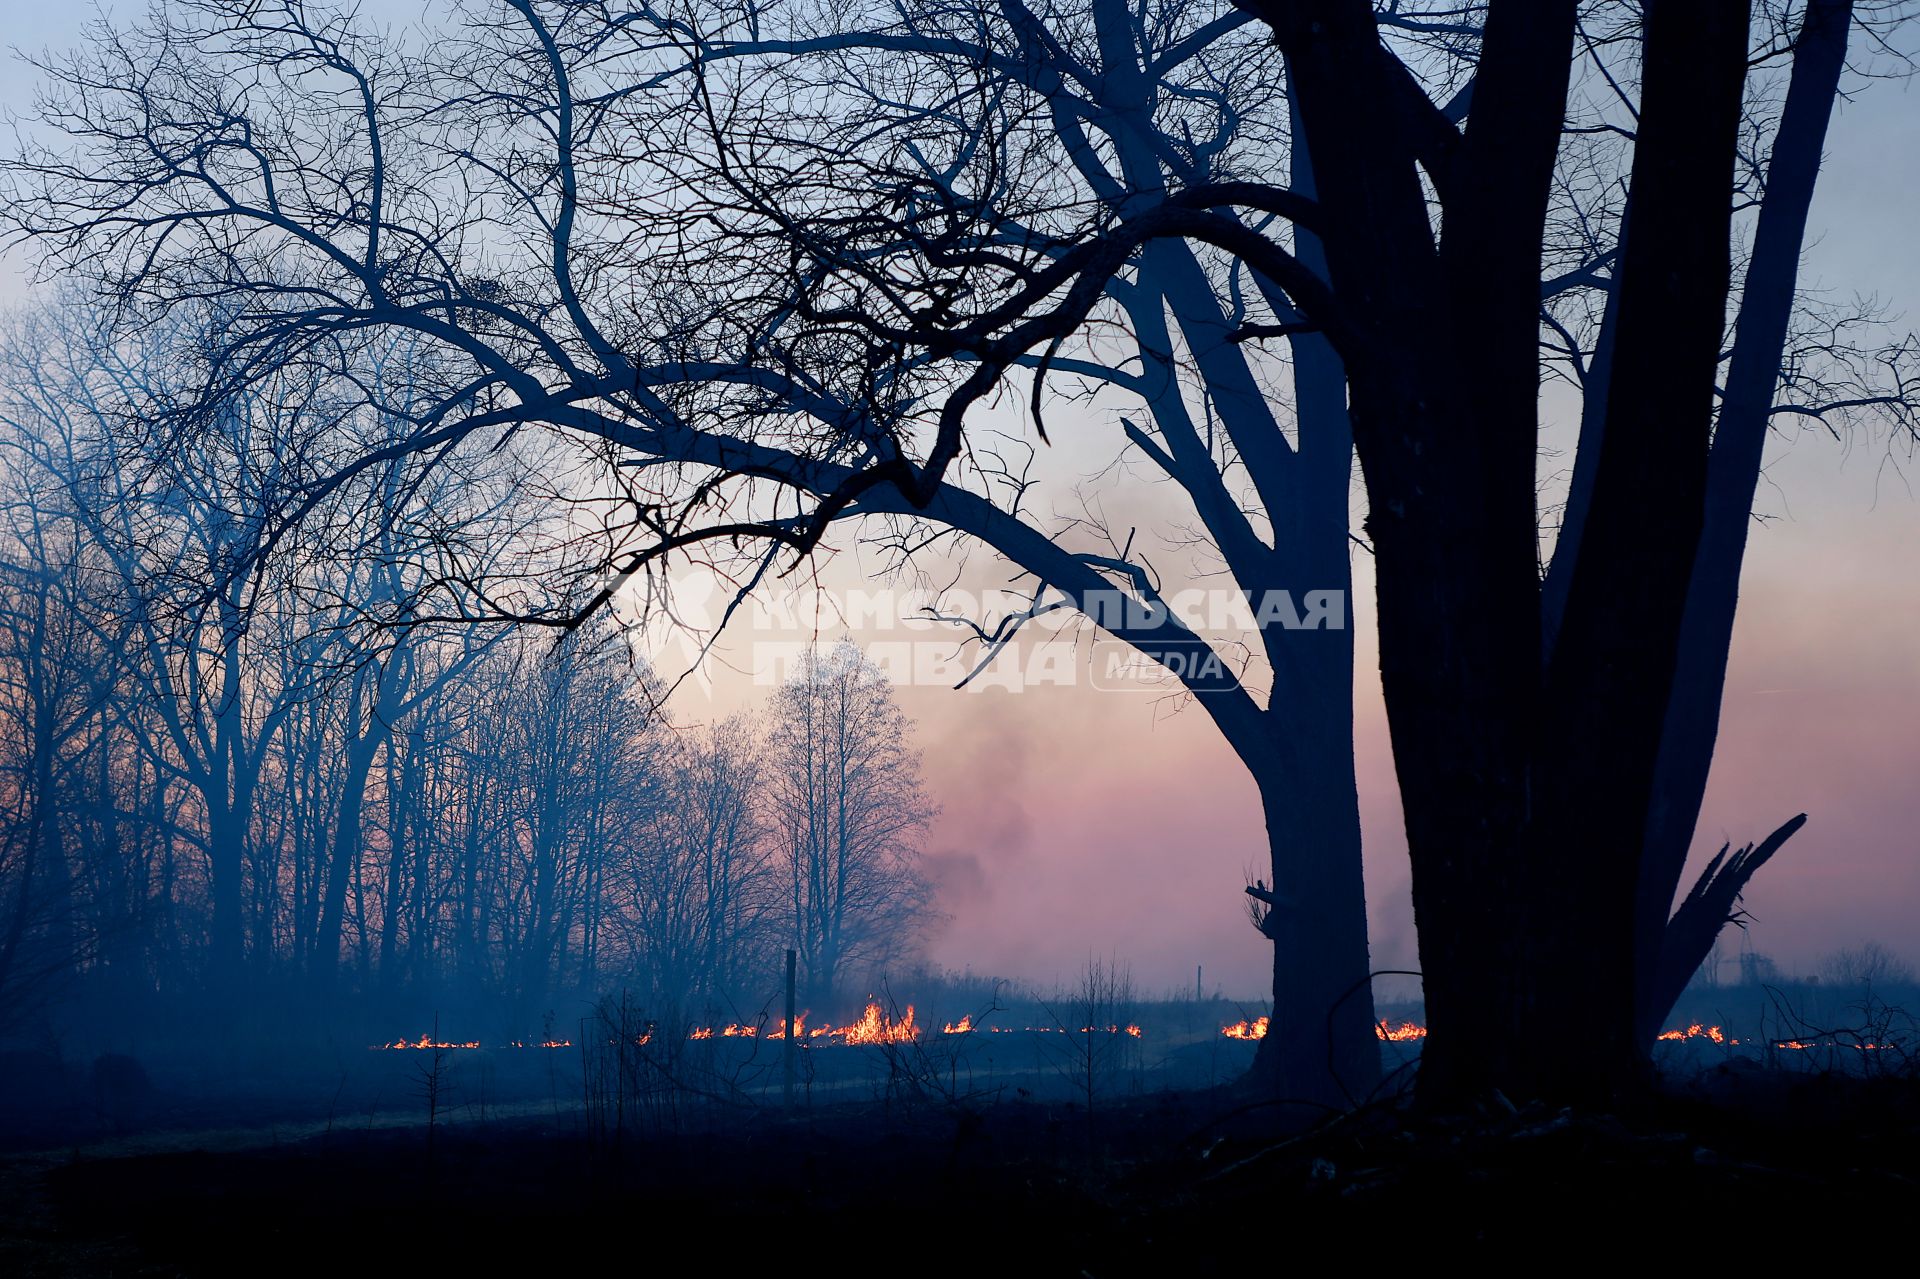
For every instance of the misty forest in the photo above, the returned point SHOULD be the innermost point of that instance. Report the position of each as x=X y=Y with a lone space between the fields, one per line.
x=431 y=833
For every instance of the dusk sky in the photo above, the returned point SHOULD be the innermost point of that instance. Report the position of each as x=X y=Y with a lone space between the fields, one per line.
x=1074 y=818
x=1077 y=821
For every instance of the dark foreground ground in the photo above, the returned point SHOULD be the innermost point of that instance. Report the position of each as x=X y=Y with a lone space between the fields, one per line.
x=1802 y=1171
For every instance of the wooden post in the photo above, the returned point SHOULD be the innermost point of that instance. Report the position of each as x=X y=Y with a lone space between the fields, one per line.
x=790 y=1047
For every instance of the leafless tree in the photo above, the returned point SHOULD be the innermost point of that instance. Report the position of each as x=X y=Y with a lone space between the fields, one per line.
x=779 y=256
x=847 y=809
x=704 y=892
x=1589 y=698
x=56 y=675
x=1869 y=964
x=1095 y=1039
x=748 y=414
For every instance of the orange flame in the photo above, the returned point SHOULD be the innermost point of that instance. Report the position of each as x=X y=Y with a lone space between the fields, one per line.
x=1257 y=1029
x=1697 y=1031
x=427 y=1041
x=962 y=1027
x=875 y=1027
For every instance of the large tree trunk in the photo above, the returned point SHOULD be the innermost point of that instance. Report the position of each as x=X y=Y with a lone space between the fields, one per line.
x=1320 y=1045
x=1525 y=785
x=1434 y=411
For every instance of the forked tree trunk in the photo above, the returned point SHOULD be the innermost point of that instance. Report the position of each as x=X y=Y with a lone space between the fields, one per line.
x=1525 y=784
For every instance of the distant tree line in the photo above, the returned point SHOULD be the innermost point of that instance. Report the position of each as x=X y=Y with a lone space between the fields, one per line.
x=229 y=767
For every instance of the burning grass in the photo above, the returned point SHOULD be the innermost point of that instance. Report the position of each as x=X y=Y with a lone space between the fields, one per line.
x=874 y=1026
x=428 y=1042
x=1387 y=1032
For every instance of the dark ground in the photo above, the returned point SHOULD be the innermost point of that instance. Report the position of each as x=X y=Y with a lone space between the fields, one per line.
x=1791 y=1170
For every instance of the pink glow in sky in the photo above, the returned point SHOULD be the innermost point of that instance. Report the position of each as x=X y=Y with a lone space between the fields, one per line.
x=1077 y=822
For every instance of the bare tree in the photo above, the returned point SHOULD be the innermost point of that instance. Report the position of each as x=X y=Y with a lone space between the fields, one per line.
x=1869 y=964
x=56 y=677
x=847 y=810
x=413 y=801
x=1097 y=1039
x=747 y=403
x=785 y=314
x=577 y=732
x=703 y=891
x=1550 y=737
x=167 y=583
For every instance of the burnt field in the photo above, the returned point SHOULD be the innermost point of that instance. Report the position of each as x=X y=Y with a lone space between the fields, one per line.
x=1170 y=1182
x=618 y=1079
x=1005 y=1149
x=610 y=1067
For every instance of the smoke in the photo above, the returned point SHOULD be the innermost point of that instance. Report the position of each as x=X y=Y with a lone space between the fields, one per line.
x=985 y=829
x=959 y=880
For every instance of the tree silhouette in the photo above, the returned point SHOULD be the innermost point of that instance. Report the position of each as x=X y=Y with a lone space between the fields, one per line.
x=660 y=233
x=847 y=807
